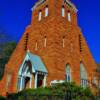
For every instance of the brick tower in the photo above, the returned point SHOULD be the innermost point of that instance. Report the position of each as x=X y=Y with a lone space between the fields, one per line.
x=51 y=48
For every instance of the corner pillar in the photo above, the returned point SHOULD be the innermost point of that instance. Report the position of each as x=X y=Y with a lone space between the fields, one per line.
x=36 y=76
x=21 y=83
x=30 y=81
x=44 y=81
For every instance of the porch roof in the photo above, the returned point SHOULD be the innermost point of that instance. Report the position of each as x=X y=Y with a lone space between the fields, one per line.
x=37 y=63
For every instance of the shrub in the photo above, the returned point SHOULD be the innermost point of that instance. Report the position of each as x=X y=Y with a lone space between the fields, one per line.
x=2 y=98
x=56 y=92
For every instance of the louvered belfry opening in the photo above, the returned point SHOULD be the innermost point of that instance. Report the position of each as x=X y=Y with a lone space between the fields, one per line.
x=80 y=43
x=26 y=41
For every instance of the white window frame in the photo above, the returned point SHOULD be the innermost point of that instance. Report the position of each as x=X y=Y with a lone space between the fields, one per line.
x=46 y=11
x=63 y=11
x=68 y=73
x=69 y=16
x=84 y=83
x=40 y=15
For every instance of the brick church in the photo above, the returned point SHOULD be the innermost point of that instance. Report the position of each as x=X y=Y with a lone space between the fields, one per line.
x=52 y=49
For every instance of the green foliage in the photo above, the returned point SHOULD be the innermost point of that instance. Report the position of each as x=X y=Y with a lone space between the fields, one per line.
x=56 y=92
x=5 y=53
x=2 y=98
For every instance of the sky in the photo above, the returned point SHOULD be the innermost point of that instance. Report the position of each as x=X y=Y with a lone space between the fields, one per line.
x=15 y=15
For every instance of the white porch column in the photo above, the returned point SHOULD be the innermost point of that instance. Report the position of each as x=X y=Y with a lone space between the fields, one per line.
x=30 y=81
x=36 y=76
x=44 y=81
x=21 y=83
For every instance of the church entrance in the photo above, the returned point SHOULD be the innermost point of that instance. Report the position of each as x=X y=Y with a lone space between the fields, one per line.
x=40 y=80
x=27 y=82
x=32 y=72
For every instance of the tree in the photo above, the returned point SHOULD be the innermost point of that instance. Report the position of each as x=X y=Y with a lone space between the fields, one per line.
x=6 y=49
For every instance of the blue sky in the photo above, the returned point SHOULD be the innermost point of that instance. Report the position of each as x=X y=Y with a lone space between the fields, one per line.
x=15 y=15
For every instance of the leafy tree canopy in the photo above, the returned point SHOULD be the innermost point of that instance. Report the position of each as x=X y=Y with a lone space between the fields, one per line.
x=6 y=49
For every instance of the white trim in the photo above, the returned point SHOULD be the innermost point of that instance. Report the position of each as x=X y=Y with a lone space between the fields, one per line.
x=21 y=67
x=54 y=82
x=21 y=83
x=68 y=73
x=40 y=15
x=84 y=83
x=63 y=12
x=31 y=82
x=69 y=16
x=37 y=4
x=46 y=11
x=44 y=81
x=36 y=76
x=41 y=1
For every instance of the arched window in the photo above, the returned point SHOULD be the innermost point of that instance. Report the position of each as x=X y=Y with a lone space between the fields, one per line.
x=40 y=15
x=68 y=73
x=46 y=11
x=83 y=75
x=69 y=16
x=63 y=11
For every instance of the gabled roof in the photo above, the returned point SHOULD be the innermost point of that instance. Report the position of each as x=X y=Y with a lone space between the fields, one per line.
x=37 y=63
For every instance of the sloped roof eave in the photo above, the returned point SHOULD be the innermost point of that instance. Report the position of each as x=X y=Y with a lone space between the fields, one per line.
x=37 y=63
